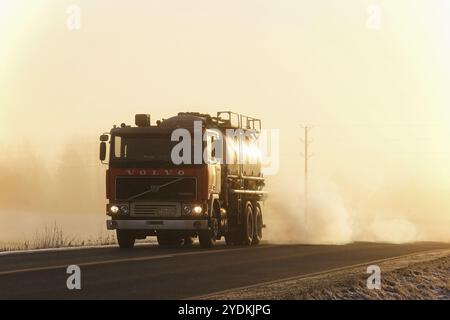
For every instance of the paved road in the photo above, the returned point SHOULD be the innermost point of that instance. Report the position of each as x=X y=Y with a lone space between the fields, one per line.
x=150 y=272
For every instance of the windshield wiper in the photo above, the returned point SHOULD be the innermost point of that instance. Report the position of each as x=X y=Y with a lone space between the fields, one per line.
x=151 y=189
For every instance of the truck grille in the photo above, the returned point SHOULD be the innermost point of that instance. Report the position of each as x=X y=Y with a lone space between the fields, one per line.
x=156 y=188
x=155 y=209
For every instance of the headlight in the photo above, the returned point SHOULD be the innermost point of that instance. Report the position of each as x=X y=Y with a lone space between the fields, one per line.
x=119 y=209
x=197 y=209
x=187 y=208
x=124 y=209
x=114 y=209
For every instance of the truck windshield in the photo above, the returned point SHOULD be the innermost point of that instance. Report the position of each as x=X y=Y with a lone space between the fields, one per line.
x=148 y=149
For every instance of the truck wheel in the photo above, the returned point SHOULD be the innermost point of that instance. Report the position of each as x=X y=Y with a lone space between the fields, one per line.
x=168 y=239
x=125 y=238
x=207 y=238
x=258 y=219
x=187 y=241
x=248 y=225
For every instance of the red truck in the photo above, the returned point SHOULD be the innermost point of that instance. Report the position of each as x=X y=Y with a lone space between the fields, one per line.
x=207 y=185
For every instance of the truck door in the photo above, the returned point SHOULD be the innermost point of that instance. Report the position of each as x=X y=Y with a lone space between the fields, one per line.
x=214 y=171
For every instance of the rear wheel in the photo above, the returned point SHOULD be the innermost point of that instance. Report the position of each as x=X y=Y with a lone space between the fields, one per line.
x=248 y=226
x=125 y=238
x=169 y=239
x=258 y=219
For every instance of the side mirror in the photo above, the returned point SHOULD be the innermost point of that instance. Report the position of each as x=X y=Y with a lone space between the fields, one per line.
x=102 y=151
x=104 y=138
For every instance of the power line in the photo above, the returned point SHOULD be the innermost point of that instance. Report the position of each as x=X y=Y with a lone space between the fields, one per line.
x=306 y=155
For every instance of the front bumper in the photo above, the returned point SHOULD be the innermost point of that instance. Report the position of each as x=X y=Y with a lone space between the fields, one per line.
x=157 y=224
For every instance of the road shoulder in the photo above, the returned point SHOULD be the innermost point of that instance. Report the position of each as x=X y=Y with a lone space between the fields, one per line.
x=416 y=276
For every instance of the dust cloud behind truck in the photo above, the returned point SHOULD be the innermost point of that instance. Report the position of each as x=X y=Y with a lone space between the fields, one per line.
x=191 y=175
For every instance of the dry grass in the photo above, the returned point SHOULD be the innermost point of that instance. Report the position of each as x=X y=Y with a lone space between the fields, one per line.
x=52 y=236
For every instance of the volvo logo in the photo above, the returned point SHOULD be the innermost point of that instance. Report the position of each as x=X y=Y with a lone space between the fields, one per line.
x=153 y=188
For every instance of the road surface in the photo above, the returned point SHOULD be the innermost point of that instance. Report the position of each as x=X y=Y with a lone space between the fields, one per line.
x=150 y=272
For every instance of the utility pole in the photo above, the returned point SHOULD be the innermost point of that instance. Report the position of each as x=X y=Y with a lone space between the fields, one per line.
x=306 y=154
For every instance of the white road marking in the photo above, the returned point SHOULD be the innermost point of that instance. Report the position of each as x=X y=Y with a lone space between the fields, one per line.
x=136 y=259
x=75 y=248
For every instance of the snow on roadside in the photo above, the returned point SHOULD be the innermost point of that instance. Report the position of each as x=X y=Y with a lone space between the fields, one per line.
x=417 y=276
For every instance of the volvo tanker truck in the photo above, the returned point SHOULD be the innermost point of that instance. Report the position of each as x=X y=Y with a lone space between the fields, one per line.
x=189 y=176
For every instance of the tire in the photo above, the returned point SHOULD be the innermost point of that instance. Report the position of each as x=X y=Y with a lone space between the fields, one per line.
x=126 y=239
x=207 y=238
x=248 y=225
x=258 y=223
x=169 y=239
x=188 y=241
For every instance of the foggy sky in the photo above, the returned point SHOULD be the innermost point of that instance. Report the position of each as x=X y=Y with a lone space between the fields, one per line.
x=378 y=98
